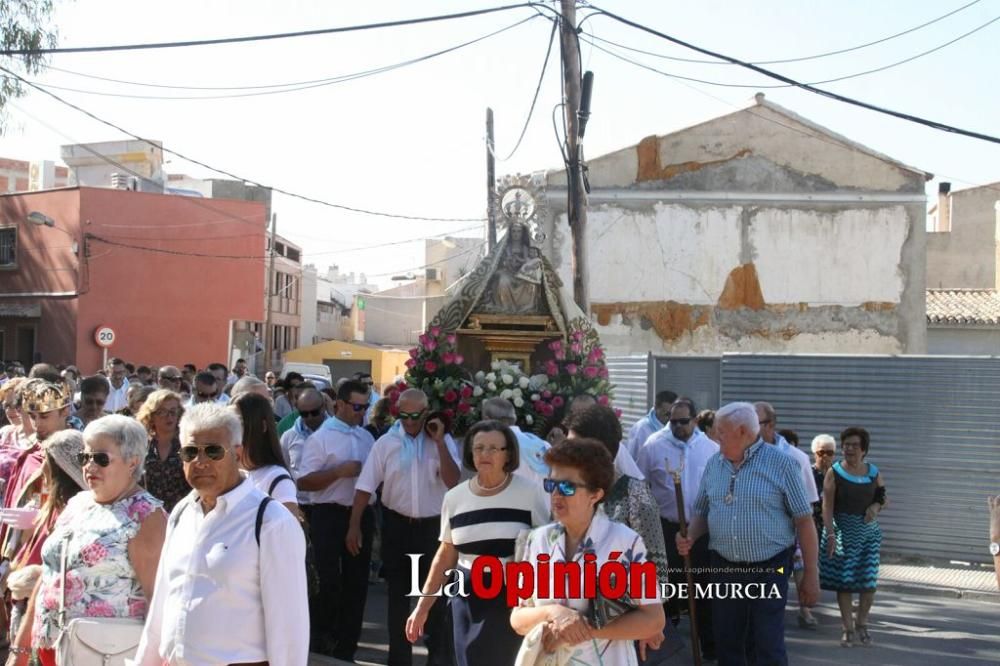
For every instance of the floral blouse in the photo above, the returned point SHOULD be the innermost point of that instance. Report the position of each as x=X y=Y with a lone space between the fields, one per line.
x=164 y=479
x=631 y=503
x=100 y=580
x=603 y=538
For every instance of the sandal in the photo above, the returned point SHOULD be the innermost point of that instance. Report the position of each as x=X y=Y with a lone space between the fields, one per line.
x=864 y=636
x=809 y=622
x=847 y=639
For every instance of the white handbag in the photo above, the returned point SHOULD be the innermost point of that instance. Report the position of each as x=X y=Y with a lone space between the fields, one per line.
x=94 y=641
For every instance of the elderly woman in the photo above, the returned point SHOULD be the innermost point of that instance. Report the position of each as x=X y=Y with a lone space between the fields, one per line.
x=111 y=537
x=261 y=453
x=164 y=478
x=824 y=448
x=481 y=516
x=853 y=496
x=581 y=476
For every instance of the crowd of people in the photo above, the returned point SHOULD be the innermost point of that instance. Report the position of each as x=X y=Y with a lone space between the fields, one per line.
x=224 y=519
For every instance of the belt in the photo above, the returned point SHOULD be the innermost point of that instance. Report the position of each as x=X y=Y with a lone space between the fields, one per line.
x=408 y=519
x=332 y=505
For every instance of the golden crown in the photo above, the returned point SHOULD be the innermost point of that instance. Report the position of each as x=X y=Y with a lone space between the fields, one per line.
x=41 y=396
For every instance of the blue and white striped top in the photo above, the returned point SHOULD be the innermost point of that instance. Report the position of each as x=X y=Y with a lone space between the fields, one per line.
x=767 y=495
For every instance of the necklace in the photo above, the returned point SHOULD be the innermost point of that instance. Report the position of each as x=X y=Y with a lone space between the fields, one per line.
x=490 y=489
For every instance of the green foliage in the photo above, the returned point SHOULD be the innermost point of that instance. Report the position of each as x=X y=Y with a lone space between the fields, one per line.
x=24 y=25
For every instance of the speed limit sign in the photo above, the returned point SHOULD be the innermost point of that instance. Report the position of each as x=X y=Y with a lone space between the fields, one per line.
x=104 y=336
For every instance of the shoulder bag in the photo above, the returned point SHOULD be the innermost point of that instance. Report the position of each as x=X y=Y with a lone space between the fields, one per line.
x=93 y=641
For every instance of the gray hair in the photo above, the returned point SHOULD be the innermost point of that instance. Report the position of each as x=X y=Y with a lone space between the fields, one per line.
x=823 y=439
x=131 y=437
x=739 y=414
x=414 y=394
x=209 y=416
x=767 y=409
x=246 y=385
x=499 y=409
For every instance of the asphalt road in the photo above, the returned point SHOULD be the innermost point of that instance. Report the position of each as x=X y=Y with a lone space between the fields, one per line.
x=906 y=629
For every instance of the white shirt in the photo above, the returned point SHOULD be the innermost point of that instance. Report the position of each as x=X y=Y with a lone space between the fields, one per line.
x=222 y=599
x=116 y=397
x=625 y=465
x=293 y=443
x=263 y=477
x=641 y=431
x=653 y=456
x=411 y=487
x=805 y=466
x=327 y=448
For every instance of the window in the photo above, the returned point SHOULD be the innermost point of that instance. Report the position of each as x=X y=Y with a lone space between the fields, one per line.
x=8 y=247
x=294 y=255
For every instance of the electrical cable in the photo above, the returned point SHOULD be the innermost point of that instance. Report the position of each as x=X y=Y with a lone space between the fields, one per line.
x=789 y=60
x=276 y=89
x=805 y=86
x=266 y=37
x=534 y=99
x=229 y=174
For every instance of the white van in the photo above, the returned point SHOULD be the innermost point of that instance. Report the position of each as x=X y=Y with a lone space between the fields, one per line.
x=315 y=369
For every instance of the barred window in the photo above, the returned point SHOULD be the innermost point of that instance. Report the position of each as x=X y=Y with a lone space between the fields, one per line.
x=8 y=247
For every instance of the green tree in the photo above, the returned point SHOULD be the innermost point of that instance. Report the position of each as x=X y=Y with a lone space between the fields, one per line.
x=24 y=25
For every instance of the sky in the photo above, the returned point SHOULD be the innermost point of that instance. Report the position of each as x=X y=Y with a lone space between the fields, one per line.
x=411 y=140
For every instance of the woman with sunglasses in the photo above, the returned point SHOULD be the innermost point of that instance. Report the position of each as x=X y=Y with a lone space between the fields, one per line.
x=111 y=536
x=582 y=472
x=482 y=516
x=164 y=478
x=261 y=456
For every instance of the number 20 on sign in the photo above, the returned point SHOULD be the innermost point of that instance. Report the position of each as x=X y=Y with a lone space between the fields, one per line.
x=104 y=336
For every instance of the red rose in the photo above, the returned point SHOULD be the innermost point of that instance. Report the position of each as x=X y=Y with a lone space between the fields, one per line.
x=590 y=371
x=467 y=391
x=450 y=396
x=411 y=363
x=464 y=408
x=603 y=400
x=571 y=368
x=558 y=401
x=414 y=352
x=430 y=366
x=449 y=413
x=448 y=358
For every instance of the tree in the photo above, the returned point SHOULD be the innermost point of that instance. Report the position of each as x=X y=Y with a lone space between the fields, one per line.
x=24 y=25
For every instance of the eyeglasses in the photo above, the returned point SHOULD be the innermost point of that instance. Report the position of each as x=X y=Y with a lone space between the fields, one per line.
x=764 y=422
x=825 y=454
x=100 y=458
x=94 y=402
x=360 y=408
x=213 y=451
x=163 y=413
x=850 y=443
x=206 y=396
x=565 y=488
x=680 y=421
x=411 y=416
x=487 y=450
x=310 y=413
x=171 y=378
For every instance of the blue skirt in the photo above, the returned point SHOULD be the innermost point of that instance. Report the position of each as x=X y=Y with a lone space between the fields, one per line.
x=854 y=566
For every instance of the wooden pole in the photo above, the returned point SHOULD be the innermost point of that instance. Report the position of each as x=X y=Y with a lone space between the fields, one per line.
x=491 y=179
x=577 y=196
x=268 y=335
x=692 y=605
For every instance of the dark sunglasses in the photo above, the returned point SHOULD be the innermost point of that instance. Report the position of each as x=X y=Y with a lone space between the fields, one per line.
x=206 y=396
x=100 y=458
x=825 y=454
x=213 y=451
x=359 y=408
x=680 y=421
x=309 y=413
x=171 y=378
x=411 y=416
x=565 y=488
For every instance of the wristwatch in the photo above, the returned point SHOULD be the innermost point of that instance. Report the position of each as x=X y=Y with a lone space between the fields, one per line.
x=994 y=548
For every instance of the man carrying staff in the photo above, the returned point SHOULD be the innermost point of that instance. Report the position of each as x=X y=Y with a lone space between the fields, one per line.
x=752 y=502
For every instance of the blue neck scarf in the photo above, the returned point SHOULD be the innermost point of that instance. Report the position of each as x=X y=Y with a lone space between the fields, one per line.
x=336 y=425
x=532 y=450
x=413 y=447
x=303 y=430
x=653 y=421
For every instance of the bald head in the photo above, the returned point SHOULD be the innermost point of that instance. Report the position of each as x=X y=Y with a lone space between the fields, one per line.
x=498 y=409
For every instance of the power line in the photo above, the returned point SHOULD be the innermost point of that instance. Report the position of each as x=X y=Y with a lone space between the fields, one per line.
x=788 y=85
x=229 y=174
x=271 y=89
x=534 y=99
x=790 y=60
x=804 y=86
x=266 y=37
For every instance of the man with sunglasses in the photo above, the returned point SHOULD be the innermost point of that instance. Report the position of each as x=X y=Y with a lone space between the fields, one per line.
x=680 y=446
x=416 y=462
x=329 y=468
x=169 y=378
x=231 y=586
x=824 y=448
x=206 y=389
x=651 y=423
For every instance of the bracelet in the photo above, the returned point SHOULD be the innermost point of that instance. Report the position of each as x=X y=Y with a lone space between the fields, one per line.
x=15 y=649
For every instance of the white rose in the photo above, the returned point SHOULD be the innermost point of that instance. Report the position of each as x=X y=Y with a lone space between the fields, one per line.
x=528 y=419
x=480 y=376
x=506 y=394
x=492 y=377
x=478 y=391
x=491 y=386
x=507 y=379
x=535 y=397
x=495 y=365
x=518 y=402
x=517 y=393
x=523 y=382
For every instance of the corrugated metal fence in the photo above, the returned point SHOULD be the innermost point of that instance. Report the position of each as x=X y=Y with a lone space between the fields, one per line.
x=629 y=374
x=934 y=423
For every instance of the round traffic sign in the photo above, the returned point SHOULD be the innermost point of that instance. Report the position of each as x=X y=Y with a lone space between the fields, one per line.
x=104 y=336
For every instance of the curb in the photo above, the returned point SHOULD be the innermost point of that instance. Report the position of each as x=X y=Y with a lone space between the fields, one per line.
x=941 y=592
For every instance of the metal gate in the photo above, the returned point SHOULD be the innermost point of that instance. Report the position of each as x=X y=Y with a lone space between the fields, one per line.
x=935 y=433
x=695 y=377
x=630 y=377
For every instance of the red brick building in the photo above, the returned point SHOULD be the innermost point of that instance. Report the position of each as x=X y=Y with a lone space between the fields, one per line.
x=179 y=279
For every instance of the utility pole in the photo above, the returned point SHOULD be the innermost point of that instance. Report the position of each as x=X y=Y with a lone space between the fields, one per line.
x=268 y=334
x=491 y=178
x=576 y=195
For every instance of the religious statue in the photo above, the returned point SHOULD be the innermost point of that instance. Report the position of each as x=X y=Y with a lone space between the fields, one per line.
x=519 y=277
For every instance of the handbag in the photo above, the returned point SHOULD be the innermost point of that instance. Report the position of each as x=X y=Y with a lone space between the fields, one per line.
x=93 y=641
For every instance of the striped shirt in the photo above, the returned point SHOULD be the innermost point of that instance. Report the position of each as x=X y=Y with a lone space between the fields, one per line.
x=478 y=525
x=751 y=510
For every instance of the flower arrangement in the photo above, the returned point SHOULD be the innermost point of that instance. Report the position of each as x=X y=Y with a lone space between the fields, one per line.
x=435 y=367
x=578 y=366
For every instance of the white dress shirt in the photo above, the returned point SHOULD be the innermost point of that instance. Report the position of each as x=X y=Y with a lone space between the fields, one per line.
x=116 y=397
x=625 y=465
x=222 y=599
x=327 y=448
x=264 y=477
x=412 y=485
x=641 y=431
x=293 y=443
x=693 y=454
x=805 y=466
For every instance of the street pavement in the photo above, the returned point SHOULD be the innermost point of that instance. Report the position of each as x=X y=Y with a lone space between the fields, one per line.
x=907 y=628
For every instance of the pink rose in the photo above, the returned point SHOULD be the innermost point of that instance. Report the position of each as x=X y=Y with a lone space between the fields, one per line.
x=603 y=373
x=618 y=413
x=435 y=331
x=546 y=395
x=459 y=359
x=555 y=345
x=414 y=352
x=450 y=396
x=467 y=391
x=590 y=372
x=576 y=348
x=560 y=355
x=603 y=400
x=597 y=352
x=93 y=553
x=98 y=608
x=452 y=338
x=578 y=335
x=551 y=369
x=547 y=410
x=431 y=345
x=448 y=358
x=423 y=339
x=571 y=368
x=430 y=366
x=464 y=407
x=411 y=363
x=558 y=401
